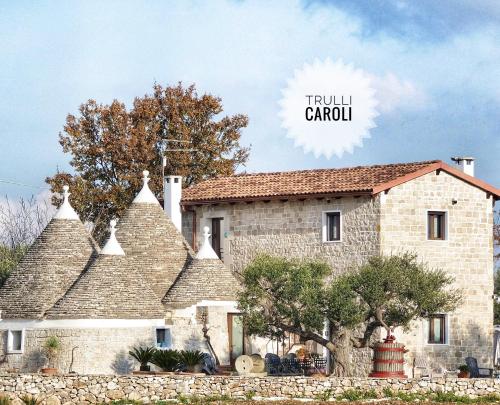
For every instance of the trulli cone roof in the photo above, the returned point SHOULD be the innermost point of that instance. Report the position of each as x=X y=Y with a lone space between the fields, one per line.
x=54 y=261
x=112 y=288
x=205 y=278
x=151 y=241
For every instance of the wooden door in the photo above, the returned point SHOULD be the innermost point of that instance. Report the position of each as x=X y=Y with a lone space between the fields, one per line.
x=216 y=236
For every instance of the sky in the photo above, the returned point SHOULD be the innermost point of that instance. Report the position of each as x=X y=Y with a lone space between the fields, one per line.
x=434 y=64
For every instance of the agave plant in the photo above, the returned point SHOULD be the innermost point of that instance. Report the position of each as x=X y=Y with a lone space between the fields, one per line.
x=167 y=360
x=143 y=355
x=191 y=359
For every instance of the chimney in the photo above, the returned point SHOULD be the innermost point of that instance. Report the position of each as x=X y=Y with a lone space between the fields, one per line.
x=172 y=186
x=466 y=164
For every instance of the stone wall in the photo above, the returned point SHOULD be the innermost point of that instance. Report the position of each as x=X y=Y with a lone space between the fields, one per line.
x=466 y=254
x=294 y=229
x=102 y=350
x=55 y=390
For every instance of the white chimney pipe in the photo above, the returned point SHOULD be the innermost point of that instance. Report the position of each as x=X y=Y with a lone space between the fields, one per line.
x=172 y=186
x=466 y=164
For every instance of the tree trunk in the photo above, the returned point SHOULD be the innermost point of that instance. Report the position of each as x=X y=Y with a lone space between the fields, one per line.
x=341 y=355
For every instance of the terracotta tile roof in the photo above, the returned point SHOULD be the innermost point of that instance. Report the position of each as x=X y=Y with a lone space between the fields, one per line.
x=360 y=179
x=295 y=183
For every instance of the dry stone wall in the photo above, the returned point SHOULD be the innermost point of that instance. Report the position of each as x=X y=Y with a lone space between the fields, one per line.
x=57 y=390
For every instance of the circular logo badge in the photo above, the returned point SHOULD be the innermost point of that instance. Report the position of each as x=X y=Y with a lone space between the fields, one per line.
x=328 y=108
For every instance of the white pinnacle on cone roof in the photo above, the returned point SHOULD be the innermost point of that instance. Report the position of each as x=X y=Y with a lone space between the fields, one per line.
x=206 y=251
x=66 y=211
x=145 y=195
x=112 y=246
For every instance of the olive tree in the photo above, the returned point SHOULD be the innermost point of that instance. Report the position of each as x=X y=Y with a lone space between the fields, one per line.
x=281 y=295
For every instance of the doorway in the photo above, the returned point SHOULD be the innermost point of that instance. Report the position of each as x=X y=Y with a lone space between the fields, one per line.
x=236 y=335
x=216 y=236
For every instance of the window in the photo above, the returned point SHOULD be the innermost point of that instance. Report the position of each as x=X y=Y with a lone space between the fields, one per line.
x=15 y=341
x=437 y=329
x=163 y=338
x=331 y=226
x=436 y=225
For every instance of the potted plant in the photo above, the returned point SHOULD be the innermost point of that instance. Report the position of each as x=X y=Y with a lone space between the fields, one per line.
x=167 y=360
x=192 y=360
x=463 y=371
x=143 y=355
x=51 y=348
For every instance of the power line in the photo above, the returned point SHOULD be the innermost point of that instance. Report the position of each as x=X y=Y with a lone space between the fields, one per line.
x=15 y=183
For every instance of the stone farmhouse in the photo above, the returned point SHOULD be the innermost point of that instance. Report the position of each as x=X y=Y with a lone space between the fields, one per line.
x=167 y=277
x=343 y=216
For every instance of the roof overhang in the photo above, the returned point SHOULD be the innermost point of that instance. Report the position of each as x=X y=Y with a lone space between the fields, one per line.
x=289 y=197
x=438 y=166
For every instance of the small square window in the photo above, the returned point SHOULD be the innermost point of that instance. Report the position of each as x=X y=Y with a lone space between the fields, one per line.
x=15 y=341
x=436 y=225
x=437 y=329
x=331 y=227
x=163 y=338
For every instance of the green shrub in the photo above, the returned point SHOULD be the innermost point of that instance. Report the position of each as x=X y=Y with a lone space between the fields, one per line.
x=358 y=395
x=190 y=358
x=29 y=400
x=167 y=360
x=388 y=393
x=324 y=396
x=5 y=400
x=248 y=395
x=142 y=354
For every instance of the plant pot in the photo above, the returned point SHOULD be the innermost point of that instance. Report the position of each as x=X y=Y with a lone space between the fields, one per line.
x=145 y=367
x=463 y=374
x=49 y=370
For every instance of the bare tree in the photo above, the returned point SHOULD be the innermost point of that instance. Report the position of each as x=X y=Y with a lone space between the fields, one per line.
x=22 y=222
x=20 y=225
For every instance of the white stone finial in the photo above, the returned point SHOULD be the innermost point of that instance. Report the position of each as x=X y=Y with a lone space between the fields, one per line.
x=145 y=195
x=206 y=251
x=66 y=211
x=112 y=246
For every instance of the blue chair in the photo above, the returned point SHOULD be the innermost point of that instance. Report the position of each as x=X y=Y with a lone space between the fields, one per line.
x=477 y=372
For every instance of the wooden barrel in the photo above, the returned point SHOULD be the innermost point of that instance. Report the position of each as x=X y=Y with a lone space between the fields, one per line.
x=388 y=360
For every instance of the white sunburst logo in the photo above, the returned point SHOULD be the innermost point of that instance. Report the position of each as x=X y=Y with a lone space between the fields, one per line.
x=328 y=108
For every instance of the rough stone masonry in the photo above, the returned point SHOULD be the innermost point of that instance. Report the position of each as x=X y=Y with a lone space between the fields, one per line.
x=68 y=389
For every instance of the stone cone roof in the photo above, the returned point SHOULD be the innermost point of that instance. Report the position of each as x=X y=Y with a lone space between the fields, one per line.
x=54 y=261
x=153 y=244
x=203 y=279
x=110 y=289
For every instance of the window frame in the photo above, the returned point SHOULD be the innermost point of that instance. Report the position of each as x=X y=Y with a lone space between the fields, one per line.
x=10 y=341
x=444 y=329
x=156 y=337
x=444 y=227
x=325 y=226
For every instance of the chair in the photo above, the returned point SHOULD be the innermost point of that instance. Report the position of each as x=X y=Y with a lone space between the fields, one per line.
x=421 y=363
x=273 y=364
x=477 y=372
x=208 y=365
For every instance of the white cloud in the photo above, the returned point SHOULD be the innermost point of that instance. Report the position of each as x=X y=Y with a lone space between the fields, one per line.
x=393 y=94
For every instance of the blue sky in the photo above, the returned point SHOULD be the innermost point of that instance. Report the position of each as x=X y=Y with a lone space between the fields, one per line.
x=438 y=63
